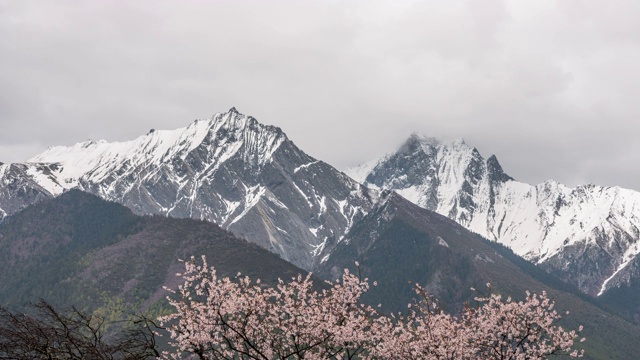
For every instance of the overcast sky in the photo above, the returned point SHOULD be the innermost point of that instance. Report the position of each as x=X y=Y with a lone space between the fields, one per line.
x=551 y=87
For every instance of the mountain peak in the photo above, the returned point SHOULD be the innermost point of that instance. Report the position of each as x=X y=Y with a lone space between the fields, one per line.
x=429 y=141
x=495 y=170
x=229 y=169
x=215 y=140
x=233 y=119
x=422 y=139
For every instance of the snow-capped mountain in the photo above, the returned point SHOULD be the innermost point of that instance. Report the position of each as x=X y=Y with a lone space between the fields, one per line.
x=18 y=188
x=586 y=235
x=252 y=180
x=247 y=177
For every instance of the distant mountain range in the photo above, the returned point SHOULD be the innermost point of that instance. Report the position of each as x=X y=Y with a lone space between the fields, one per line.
x=250 y=179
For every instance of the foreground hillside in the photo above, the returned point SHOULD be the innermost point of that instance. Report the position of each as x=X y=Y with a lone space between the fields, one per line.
x=81 y=250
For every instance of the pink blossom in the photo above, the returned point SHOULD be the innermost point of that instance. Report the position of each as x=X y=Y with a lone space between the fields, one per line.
x=236 y=318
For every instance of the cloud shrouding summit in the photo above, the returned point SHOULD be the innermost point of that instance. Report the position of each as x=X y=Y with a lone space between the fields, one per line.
x=550 y=87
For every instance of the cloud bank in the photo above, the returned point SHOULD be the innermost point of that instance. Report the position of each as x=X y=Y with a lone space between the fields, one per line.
x=550 y=87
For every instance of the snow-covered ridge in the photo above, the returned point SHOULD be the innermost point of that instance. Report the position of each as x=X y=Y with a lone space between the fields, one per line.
x=96 y=160
x=554 y=225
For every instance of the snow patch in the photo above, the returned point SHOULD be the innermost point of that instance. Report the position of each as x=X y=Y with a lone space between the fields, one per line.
x=304 y=166
x=252 y=196
x=359 y=173
x=441 y=242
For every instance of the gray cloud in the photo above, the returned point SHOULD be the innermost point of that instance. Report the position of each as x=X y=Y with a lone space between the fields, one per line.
x=550 y=87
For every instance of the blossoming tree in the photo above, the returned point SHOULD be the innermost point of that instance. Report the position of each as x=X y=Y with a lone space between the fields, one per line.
x=221 y=318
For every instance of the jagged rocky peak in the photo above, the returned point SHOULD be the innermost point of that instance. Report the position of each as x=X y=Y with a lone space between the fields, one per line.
x=418 y=157
x=495 y=170
x=233 y=119
x=423 y=160
x=415 y=141
x=421 y=145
